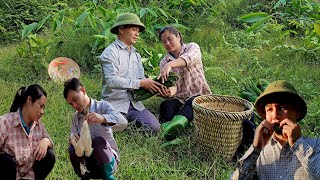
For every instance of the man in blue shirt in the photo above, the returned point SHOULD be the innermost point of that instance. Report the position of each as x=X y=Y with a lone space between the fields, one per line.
x=123 y=71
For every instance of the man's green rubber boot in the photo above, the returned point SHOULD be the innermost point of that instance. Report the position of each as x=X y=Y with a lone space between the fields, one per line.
x=177 y=124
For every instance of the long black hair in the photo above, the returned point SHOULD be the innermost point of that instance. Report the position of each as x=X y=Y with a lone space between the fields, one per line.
x=35 y=91
x=172 y=30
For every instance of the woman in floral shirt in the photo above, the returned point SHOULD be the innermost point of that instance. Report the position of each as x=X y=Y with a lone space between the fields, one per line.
x=184 y=60
x=25 y=146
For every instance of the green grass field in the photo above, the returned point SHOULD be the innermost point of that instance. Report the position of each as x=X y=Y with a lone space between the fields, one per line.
x=230 y=56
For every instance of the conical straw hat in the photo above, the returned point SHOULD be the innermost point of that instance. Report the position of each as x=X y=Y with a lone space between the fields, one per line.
x=62 y=68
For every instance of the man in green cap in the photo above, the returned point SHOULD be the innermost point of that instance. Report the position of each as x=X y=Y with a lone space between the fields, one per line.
x=278 y=150
x=123 y=72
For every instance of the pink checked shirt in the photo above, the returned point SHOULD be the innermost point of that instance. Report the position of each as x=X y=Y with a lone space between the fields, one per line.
x=191 y=80
x=17 y=143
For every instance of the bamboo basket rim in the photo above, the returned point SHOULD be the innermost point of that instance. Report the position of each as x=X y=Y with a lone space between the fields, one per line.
x=246 y=103
x=211 y=123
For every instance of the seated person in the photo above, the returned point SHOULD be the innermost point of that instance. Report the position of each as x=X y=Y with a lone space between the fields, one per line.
x=184 y=59
x=25 y=146
x=278 y=150
x=101 y=116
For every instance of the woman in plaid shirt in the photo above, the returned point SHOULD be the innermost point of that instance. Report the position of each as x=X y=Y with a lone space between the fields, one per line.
x=184 y=60
x=25 y=146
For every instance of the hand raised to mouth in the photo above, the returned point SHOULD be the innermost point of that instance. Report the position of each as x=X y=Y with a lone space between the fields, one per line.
x=277 y=129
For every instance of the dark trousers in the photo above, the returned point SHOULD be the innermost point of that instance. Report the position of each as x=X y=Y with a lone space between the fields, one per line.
x=102 y=154
x=41 y=168
x=171 y=107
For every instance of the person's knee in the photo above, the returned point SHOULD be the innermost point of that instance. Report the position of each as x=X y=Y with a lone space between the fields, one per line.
x=98 y=143
x=7 y=166
x=51 y=158
x=155 y=126
x=71 y=150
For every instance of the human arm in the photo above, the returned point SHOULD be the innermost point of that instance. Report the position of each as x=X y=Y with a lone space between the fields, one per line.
x=4 y=131
x=247 y=165
x=165 y=70
x=43 y=145
x=108 y=115
x=41 y=149
x=307 y=150
x=191 y=54
x=111 y=65
x=74 y=128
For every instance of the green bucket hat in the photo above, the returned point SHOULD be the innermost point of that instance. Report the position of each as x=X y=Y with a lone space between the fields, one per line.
x=280 y=91
x=127 y=19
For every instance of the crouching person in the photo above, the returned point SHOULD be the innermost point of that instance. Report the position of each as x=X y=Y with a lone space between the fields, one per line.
x=100 y=116
x=25 y=146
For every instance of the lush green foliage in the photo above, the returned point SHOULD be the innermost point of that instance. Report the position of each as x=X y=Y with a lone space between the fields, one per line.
x=231 y=56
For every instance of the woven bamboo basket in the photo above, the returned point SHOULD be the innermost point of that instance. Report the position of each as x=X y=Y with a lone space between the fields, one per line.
x=218 y=122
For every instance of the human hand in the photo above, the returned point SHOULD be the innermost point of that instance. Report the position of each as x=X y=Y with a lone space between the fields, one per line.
x=169 y=92
x=151 y=85
x=95 y=118
x=164 y=73
x=262 y=135
x=41 y=149
x=291 y=131
x=164 y=92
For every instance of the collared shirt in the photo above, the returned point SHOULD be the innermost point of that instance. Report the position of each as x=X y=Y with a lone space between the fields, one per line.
x=96 y=129
x=274 y=161
x=122 y=71
x=191 y=81
x=16 y=142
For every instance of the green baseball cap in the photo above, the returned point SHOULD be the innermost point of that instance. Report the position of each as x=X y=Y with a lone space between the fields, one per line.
x=127 y=19
x=280 y=91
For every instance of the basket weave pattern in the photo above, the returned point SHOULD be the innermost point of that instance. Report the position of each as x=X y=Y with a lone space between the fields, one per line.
x=218 y=122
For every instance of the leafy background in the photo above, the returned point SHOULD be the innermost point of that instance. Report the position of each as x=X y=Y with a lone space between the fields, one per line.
x=241 y=42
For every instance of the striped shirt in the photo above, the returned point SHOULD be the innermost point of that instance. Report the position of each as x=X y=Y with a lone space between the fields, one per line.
x=100 y=130
x=122 y=71
x=274 y=161
x=16 y=142
x=192 y=81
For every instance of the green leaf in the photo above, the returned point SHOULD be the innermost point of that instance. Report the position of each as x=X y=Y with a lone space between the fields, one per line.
x=194 y=3
x=163 y=12
x=95 y=2
x=259 y=23
x=97 y=36
x=287 y=33
x=104 y=24
x=92 y=22
x=152 y=12
x=283 y=2
x=40 y=24
x=27 y=30
x=143 y=12
x=34 y=41
x=54 y=26
x=103 y=11
x=81 y=18
x=317 y=28
x=253 y=17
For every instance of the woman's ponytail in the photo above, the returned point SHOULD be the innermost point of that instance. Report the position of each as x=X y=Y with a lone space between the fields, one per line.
x=18 y=100
x=35 y=91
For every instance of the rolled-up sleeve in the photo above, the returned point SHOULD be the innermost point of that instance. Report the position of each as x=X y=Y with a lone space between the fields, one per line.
x=113 y=116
